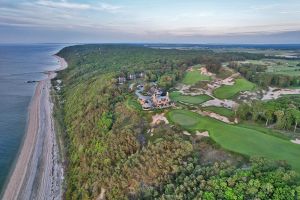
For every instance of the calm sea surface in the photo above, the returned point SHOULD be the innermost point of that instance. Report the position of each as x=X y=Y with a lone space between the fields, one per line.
x=18 y=64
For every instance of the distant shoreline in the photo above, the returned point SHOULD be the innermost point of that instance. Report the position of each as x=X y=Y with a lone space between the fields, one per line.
x=37 y=172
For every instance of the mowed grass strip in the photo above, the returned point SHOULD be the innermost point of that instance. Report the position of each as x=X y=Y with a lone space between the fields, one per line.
x=229 y=91
x=198 y=99
x=220 y=110
x=239 y=139
x=193 y=77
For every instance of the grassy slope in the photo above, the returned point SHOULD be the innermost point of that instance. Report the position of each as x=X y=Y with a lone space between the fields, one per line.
x=240 y=139
x=133 y=104
x=193 y=77
x=220 y=110
x=228 y=91
x=198 y=99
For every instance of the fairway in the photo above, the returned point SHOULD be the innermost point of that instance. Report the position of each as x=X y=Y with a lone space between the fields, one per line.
x=220 y=110
x=198 y=99
x=239 y=139
x=193 y=77
x=228 y=91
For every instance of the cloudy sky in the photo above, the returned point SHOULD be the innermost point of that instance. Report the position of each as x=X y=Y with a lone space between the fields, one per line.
x=188 y=21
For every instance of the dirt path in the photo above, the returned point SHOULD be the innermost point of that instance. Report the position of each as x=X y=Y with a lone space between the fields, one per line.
x=38 y=173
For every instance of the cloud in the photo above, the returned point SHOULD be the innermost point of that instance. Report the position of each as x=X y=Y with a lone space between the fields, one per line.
x=63 y=4
x=290 y=12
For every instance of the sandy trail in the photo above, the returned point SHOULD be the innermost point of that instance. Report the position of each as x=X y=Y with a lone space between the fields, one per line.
x=38 y=173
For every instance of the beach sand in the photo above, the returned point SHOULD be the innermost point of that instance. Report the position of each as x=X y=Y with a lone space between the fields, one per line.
x=38 y=173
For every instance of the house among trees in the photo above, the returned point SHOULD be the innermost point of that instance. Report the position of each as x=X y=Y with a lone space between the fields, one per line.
x=146 y=103
x=161 y=99
x=121 y=80
x=131 y=76
x=140 y=75
x=155 y=98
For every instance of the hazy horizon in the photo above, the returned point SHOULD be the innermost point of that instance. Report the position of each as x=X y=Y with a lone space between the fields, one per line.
x=166 y=21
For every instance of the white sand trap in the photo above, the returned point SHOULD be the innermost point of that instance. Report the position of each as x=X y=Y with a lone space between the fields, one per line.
x=205 y=72
x=205 y=133
x=190 y=69
x=156 y=119
x=215 y=116
x=275 y=93
x=296 y=141
x=186 y=133
x=227 y=81
x=220 y=103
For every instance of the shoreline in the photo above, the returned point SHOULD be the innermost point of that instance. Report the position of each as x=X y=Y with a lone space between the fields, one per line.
x=38 y=173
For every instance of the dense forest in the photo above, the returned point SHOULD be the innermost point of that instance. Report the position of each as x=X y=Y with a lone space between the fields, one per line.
x=110 y=151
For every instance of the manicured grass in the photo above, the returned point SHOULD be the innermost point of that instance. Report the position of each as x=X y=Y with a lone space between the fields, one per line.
x=228 y=91
x=243 y=140
x=198 y=99
x=193 y=77
x=220 y=110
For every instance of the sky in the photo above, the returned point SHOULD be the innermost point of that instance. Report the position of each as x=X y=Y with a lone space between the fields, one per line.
x=150 y=21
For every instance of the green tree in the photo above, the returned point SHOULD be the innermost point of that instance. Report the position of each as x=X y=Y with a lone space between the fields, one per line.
x=296 y=116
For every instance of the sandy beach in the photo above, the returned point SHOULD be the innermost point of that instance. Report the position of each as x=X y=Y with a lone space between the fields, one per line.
x=38 y=173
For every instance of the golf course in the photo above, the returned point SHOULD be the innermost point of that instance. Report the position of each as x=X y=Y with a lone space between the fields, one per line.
x=197 y=99
x=193 y=77
x=229 y=91
x=239 y=139
x=220 y=110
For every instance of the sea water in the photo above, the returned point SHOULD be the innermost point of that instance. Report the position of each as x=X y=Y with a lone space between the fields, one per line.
x=19 y=64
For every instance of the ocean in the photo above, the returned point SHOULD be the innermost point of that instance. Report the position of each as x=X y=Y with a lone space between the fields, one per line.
x=19 y=64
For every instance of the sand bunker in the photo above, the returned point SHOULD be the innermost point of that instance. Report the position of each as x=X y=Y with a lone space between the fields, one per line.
x=275 y=93
x=186 y=133
x=205 y=133
x=215 y=116
x=158 y=118
x=296 y=141
x=220 y=103
x=205 y=72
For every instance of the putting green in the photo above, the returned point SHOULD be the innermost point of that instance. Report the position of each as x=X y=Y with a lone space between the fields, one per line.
x=198 y=99
x=193 y=77
x=228 y=91
x=240 y=139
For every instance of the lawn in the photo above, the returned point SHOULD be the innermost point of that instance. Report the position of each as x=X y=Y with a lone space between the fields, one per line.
x=244 y=140
x=229 y=91
x=193 y=77
x=220 y=110
x=198 y=99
